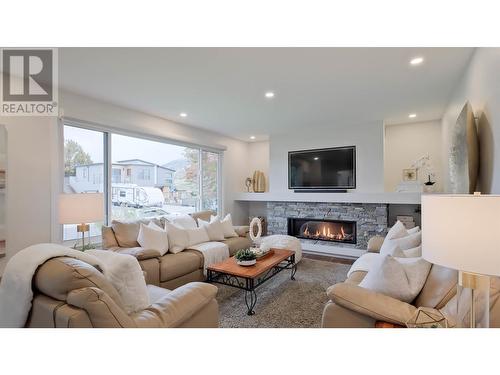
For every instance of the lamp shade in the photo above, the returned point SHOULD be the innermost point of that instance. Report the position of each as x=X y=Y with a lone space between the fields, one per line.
x=462 y=232
x=81 y=208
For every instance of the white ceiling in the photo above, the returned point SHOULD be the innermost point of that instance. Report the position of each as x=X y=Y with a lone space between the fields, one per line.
x=222 y=89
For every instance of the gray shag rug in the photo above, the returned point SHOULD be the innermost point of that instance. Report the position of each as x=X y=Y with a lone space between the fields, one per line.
x=281 y=302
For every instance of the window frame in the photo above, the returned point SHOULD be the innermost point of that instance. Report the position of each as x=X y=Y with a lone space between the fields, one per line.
x=108 y=131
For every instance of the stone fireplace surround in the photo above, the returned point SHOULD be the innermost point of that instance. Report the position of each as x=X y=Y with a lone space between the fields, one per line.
x=371 y=219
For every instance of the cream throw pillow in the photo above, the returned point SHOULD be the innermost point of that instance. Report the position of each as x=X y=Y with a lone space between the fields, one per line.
x=413 y=230
x=214 y=229
x=227 y=225
x=410 y=253
x=152 y=237
x=178 y=238
x=197 y=236
x=184 y=221
x=399 y=278
x=404 y=243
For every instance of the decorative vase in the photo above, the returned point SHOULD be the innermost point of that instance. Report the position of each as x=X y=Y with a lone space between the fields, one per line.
x=259 y=182
x=247 y=263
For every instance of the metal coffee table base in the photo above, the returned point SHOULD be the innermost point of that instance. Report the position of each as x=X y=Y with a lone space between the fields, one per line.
x=249 y=285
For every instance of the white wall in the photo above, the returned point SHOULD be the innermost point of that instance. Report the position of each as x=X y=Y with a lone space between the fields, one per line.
x=31 y=142
x=258 y=159
x=367 y=138
x=406 y=143
x=481 y=87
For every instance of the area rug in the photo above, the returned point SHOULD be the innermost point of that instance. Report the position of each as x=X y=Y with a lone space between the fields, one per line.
x=283 y=303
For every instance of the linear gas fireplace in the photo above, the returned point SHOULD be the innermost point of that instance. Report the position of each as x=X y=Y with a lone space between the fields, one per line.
x=323 y=229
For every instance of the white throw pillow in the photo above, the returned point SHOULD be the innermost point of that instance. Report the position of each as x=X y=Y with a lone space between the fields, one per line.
x=227 y=225
x=400 y=278
x=184 y=221
x=214 y=229
x=415 y=252
x=413 y=230
x=197 y=236
x=404 y=243
x=178 y=238
x=152 y=237
x=398 y=230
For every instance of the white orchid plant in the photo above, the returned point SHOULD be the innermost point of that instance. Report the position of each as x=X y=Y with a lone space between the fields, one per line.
x=424 y=164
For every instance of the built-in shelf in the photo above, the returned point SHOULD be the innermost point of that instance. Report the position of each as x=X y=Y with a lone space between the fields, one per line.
x=390 y=198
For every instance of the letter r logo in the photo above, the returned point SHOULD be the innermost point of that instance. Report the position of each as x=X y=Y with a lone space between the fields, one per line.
x=28 y=75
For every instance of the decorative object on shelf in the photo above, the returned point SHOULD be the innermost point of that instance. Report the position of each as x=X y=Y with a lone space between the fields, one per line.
x=248 y=184
x=246 y=257
x=259 y=182
x=476 y=257
x=409 y=174
x=464 y=153
x=426 y=317
x=81 y=209
x=424 y=166
x=255 y=222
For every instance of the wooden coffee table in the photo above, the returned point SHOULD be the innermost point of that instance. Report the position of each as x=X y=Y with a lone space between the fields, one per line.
x=249 y=278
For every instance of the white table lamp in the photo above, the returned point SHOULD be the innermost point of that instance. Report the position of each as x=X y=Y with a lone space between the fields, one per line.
x=81 y=209
x=463 y=232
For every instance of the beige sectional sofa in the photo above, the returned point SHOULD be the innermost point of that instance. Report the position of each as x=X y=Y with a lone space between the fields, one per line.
x=69 y=293
x=170 y=270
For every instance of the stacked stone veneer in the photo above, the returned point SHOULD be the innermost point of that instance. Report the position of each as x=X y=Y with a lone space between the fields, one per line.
x=371 y=219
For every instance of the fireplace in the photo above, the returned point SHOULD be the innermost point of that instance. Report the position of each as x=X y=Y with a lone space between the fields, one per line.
x=323 y=229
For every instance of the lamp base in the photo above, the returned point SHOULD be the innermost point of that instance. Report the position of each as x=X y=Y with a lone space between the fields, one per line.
x=473 y=303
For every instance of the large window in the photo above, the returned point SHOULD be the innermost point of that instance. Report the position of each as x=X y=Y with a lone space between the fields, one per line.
x=146 y=178
x=83 y=169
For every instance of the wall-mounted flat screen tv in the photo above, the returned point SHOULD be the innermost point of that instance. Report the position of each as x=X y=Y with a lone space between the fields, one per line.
x=322 y=169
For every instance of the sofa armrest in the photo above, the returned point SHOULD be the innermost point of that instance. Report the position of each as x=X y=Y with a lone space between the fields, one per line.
x=374 y=244
x=370 y=303
x=242 y=230
x=139 y=253
x=182 y=303
x=103 y=311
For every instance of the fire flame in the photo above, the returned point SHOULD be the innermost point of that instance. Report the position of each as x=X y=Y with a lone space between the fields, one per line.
x=325 y=232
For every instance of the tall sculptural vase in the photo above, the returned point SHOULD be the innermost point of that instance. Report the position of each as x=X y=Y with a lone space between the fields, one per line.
x=464 y=153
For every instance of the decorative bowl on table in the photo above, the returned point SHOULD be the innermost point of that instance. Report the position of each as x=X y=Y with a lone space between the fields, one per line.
x=246 y=257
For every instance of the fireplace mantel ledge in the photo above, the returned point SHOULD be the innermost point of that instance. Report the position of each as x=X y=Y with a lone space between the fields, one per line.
x=389 y=198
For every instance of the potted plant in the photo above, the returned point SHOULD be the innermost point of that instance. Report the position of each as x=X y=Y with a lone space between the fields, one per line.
x=246 y=257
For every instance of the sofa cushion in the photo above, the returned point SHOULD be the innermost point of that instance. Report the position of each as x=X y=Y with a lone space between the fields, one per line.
x=176 y=265
x=400 y=278
x=184 y=221
x=197 y=236
x=215 y=229
x=227 y=225
x=108 y=238
x=126 y=232
x=408 y=242
x=439 y=288
x=237 y=243
x=178 y=238
x=153 y=237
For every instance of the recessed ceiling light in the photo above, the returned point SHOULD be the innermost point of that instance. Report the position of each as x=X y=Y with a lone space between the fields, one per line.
x=252 y=137
x=183 y=114
x=417 y=61
x=269 y=94
x=316 y=158
x=412 y=115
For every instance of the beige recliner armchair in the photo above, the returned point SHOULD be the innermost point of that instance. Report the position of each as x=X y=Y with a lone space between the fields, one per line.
x=69 y=293
x=351 y=306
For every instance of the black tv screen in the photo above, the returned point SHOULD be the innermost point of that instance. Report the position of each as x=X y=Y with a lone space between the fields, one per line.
x=322 y=169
